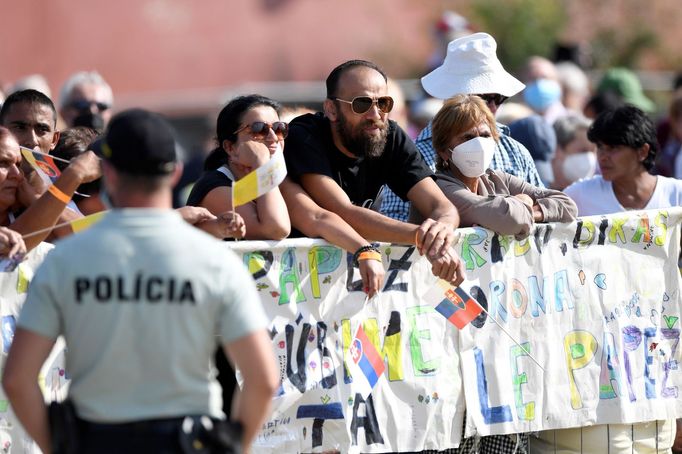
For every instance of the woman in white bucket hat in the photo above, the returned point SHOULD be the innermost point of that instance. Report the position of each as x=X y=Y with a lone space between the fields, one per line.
x=471 y=67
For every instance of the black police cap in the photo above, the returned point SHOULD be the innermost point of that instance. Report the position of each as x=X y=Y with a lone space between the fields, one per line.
x=140 y=142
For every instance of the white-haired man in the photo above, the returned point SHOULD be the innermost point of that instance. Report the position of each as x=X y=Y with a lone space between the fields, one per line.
x=86 y=100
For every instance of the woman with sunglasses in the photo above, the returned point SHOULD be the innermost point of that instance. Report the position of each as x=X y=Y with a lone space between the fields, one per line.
x=465 y=137
x=249 y=132
x=259 y=116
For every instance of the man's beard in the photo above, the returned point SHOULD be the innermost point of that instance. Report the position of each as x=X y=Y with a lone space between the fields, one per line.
x=360 y=143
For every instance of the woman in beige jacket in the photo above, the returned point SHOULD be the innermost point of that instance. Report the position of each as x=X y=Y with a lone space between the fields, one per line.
x=464 y=136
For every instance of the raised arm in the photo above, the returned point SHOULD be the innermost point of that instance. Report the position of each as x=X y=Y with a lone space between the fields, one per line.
x=266 y=218
x=45 y=211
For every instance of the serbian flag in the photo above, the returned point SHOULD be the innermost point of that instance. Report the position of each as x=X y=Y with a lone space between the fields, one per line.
x=453 y=303
x=260 y=181
x=43 y=163
x=364 y=363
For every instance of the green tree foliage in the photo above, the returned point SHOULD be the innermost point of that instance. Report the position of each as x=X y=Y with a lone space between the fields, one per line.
x=623 y=47
x=521 y=27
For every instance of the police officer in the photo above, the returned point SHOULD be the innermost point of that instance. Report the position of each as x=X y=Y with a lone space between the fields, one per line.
x=140 y=299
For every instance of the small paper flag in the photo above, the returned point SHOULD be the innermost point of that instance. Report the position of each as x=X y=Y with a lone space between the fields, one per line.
x=364 y=363
x=87 y=221
x=43 y=163
x=453 y=303
x=260 y=181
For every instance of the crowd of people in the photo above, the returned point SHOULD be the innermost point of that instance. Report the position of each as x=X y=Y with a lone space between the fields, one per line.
x=354 y=177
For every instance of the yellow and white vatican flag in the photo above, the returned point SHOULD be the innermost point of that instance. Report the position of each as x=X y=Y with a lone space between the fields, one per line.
x=260 y=181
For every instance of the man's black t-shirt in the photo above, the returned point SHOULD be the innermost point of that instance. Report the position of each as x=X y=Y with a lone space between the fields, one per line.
x=310 y=149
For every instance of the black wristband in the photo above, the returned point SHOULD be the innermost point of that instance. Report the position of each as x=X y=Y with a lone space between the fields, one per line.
x=369 y=247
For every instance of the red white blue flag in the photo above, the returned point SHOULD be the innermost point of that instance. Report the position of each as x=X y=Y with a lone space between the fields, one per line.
x=453 y=303
x=364 y=363
x=42 y=163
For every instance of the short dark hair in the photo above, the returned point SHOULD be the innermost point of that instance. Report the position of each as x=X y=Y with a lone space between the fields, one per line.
x=230 y=120
x=28 y=96
x=335 y=75
x=625 y=125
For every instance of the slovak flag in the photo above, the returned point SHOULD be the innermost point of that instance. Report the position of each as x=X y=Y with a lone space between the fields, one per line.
x=364 y=363
x=453 y=303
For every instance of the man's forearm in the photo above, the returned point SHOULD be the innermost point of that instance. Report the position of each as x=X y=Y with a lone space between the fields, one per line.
x=445 y=214
x=45 y=211
x=377 y=227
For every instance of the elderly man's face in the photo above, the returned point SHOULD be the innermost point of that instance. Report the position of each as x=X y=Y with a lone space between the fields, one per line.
x=10 y=175
x=33 y=125
x=361 y=134
x=87 y=98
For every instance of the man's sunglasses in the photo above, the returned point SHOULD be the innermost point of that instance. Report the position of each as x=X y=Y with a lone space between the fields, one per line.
x=494 y=98
x=260 y=130
x=362 y=104
x=83 y=104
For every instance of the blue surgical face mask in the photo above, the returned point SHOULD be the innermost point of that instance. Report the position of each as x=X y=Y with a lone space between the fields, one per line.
x=542 y=93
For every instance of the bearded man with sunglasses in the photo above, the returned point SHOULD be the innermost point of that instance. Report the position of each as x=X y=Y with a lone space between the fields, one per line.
x=471 y=67
x=344 y=156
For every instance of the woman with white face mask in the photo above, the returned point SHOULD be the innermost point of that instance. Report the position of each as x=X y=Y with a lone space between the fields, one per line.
x=464 y=135
x=575 y=158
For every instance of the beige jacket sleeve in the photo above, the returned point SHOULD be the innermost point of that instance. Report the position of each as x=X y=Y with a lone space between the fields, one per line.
x=495 y=207
x=555 y=205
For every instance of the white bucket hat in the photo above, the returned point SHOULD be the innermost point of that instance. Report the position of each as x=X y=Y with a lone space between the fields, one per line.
x=471 y=67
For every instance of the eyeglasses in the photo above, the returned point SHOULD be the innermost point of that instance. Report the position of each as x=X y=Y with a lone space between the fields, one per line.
x=494 y=98
x=260 y=130
x=84 y=104
x=362 y=104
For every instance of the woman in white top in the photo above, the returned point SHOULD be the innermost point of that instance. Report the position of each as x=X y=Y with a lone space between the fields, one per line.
x=626 y=149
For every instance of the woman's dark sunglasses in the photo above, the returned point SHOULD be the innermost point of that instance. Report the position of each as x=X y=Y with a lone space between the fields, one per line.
x=494 y=98
x=361 y=104
x=260 y=130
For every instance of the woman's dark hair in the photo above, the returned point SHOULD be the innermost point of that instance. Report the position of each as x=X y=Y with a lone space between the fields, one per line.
x=626 y=125
x=230 y=120
x=72 y=143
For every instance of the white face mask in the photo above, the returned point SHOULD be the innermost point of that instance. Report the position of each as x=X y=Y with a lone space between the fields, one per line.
x=579 y=165
x=474 y=156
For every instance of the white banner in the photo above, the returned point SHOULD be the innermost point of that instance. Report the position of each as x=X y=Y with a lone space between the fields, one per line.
x=596 y=302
